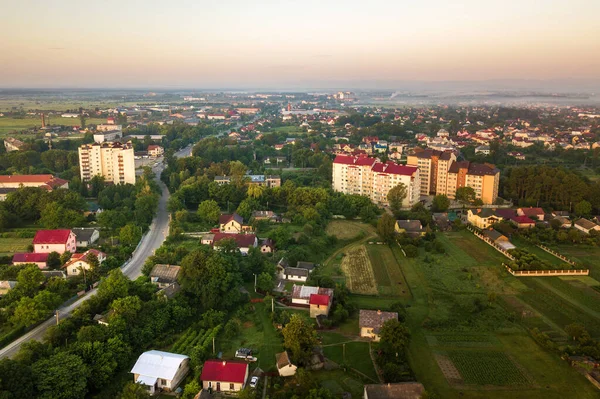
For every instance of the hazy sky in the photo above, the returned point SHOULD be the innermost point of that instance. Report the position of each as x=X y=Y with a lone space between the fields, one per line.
x=232 y=43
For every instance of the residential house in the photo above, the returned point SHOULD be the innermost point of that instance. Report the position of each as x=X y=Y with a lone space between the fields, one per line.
x=207 y=239
x=411 y=228
x=498 y=238
x=482 y=218
x=371 y=321
x=483 y=149
x=79 y=263
x=220 y=180
x=46 y=182
x=267 y=246
x=231 y=223
x=301 y=293
x=224 y=376
x=400 y=390
x=298 y=273
x=164 y=275
x=7 y=285
x=61 y=241
x=38 y=259
x=532 y=213
x=320 y=304
x=285 y=368
x=522 y=222
x=263 y=215
x=155 y=151
x=160 y=371
x=85 y=236
x=264 y=180
x=12 y=144
x=243 y=241
x=565 y=222
x=586 y=225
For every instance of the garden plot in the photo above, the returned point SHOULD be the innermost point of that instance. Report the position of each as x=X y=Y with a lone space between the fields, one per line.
x=360 y=278
x=462 y=340
x=490 y=368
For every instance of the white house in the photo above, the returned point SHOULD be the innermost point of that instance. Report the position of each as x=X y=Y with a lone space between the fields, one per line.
x=80 y=263
x=285 y=368
x=157 y=370
x=61 y=241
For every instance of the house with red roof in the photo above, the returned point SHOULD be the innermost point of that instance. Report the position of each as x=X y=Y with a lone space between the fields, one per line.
x=224 y=375
x=243 y=241
x=81 y=262
x=231 y=223
x=61 y=241
x=155 y=150
x=47 y=182
x=522 y=222
x=532 y=213
x=319 y=304
x=31 y=257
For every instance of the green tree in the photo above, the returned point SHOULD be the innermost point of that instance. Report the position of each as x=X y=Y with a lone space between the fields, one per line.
x=386 y=227
x=28 y=312
x=396 y=196
x=583 y=208
x=575 y=330
x=16 y=381
x=394 y=337
x=134 y=391
x=114 y=286
x=264 y=282
x=209 y=211
x=61 y=376
x=465 y=194
x=53 y=260
x=255 y=191
x=65 y=257
x=130 y=234
x=440 y=203
x=299 y=337
x=191 y=390
x=29 y=280
x=82 y=121
x=127 y=307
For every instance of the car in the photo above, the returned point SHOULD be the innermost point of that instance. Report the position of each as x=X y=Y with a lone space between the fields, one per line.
x=253 y=382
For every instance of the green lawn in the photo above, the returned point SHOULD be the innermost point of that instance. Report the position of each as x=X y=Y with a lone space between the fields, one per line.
x=356 y=356
x=586 y=257
x=8 y=246
x=540 y=253
x=8 y=125
x=387 y=272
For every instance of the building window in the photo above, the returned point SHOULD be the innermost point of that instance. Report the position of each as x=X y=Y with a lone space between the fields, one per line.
x=163 y=382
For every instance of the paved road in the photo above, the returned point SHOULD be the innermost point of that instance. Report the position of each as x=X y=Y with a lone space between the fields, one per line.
x=153 y=239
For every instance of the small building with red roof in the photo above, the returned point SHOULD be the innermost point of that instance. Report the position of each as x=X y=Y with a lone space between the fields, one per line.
x=81 y=262
x=224 y=375
x=24 y=258
x=532 y=213
x=61 y=241
x=319 y=304
x=522 y=222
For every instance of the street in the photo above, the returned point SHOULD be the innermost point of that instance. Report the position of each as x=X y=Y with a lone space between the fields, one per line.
x=153 y=239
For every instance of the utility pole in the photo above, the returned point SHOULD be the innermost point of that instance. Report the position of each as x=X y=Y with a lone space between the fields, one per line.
x=272 y=305
x=254 y=282
x=213 y=345
x=344 y=352
x=56 y=316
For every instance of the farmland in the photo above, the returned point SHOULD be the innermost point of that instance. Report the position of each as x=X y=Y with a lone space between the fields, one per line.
x=8 y=246
x=388 y=275
x=484 y=351
x=8 y=125
x=348 y=230
x=357 y=268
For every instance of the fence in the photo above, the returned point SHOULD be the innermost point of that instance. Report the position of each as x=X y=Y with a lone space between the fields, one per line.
x=546 y=273
x=490 y=242
x=559 y=256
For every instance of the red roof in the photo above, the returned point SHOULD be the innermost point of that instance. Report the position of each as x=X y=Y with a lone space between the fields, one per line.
x=242 y=240
x=51 y=236
x=532 y=211
x=26 y=178
x=317 y=299
x=29 y=257
x=349 y=160
x=522 y=220
x=223 y=371
x=394 y=168
x=226 y=218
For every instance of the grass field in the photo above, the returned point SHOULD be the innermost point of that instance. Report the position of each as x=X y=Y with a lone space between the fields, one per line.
x=356 y=353
x=8 y=125
x=586 y=257
x=442 y=319
x=540 y=253
x=347 y=230
x=11 y=245
x=388 y=274
x=357 y=268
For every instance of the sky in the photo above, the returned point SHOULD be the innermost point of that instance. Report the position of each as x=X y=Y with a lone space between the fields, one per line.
x=279 y=43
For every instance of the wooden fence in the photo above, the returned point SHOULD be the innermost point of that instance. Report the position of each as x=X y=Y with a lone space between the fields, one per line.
x=546 y=273
x=490 y=242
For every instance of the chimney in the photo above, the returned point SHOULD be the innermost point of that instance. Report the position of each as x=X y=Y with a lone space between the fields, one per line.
x=379 y=312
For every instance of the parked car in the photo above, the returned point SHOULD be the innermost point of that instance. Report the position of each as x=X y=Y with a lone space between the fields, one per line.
x=253 y=382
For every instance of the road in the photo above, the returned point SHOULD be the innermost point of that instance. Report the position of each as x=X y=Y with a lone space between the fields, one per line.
x=151 y=241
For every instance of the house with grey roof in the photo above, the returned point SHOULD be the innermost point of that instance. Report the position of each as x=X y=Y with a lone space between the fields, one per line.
x=371 y=321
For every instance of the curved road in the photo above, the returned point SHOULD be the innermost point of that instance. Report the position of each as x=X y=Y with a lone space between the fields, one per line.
x=153 y=239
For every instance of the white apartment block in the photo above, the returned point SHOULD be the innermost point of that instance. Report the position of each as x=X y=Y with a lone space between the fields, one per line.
x=374 y=179
x=113 y=161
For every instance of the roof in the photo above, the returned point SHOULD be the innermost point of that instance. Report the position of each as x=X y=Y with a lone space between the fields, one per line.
x=506 y=213
x=586 y=224
x=51 y=236
x=305 y=291
x=42 y=179
x=83 y=233
x=158 y=364
x=84 y=257
x=481 y=169
x=30 y=257
x=375 y=318
x=532 y=211
x=242 y=240
x=395 y=169
x=409 y=225
x=282 y=359
x=349 y=160
x=165 y=273
x=226 y=218
x=318 y=299
x=485 y=213
x=402 y=390
x=224 y=371
x=492 y=234
x=305 y=265
x=522 y=220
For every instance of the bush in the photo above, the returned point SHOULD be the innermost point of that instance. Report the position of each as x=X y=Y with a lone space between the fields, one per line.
x=411 y=251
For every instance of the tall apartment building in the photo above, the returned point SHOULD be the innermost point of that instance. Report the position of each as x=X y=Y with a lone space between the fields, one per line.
x=369 y=177
x=113 y=161
x=450 y=175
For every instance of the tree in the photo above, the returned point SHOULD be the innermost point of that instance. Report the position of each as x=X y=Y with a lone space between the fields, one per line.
x=465 y=194
x=396 y=196
x=61 y=376
x=255 y=191
x=386 y=227
x=394 y=337
x=135 y=391
x=29 y=280
x=583 y=208
x=209 y=211
x=191 y=390
x=16 y=380
x=53 y=260
x=130 y=234
x=575 y=331
x=114 y=286
x=299 y=337
x=440 y=203
x=127 y=307
x=31 y=310
x=264 y=282
x=82 y=121
x=65 y=257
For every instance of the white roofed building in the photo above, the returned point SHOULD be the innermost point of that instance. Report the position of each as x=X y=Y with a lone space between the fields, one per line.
x=158 y=370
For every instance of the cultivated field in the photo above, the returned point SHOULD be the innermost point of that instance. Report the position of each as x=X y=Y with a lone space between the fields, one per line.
x=8 y=125
x=388 y=274
x=359 y=272
x=8 y=246
x=486 y=367
x=348 y=230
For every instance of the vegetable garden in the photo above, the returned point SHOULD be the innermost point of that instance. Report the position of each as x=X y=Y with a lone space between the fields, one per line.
x=487 y=368
x=193 y=338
